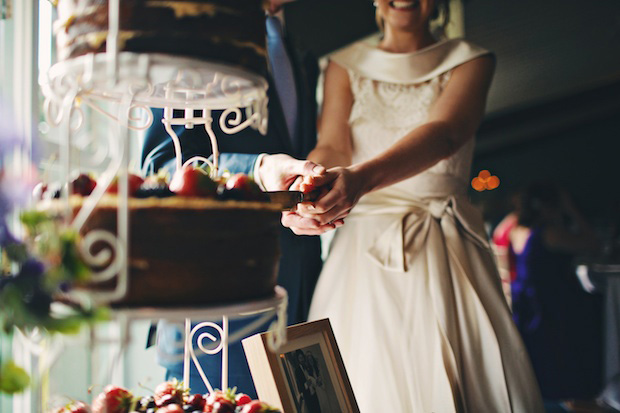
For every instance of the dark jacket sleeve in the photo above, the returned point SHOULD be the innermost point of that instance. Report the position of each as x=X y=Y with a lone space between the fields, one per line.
x=237 y=163
x=158 y=149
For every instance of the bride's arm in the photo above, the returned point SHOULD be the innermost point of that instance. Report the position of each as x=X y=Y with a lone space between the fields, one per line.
x=334 y=136
x=452 y=121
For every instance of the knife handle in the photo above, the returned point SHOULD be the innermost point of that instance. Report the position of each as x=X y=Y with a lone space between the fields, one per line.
x=310 y=196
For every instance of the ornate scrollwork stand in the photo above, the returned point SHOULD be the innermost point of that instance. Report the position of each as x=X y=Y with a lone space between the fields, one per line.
x=135 y=83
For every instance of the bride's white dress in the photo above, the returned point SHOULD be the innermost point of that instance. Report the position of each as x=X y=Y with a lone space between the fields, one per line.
x=410 y=284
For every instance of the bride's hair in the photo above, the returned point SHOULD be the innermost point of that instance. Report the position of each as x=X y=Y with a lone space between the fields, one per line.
x=439 y=18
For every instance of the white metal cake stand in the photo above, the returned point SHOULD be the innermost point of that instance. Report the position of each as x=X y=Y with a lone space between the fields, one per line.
x=133 y=83
x=263 y=311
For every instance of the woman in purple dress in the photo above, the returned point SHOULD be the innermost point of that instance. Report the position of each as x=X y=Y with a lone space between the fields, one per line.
x=560 y=322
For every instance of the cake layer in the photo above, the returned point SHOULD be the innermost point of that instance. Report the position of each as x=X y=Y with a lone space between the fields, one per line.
x=191 y=252
x=224 y=31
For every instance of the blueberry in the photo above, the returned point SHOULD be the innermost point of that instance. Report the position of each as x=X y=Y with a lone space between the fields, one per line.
x=234 y=194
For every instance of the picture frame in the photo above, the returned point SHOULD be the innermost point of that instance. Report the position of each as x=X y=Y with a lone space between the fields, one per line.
x=306 y=375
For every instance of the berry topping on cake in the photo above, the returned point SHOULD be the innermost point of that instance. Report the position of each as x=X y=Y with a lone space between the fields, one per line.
x=241 y=187
x=74 y=407
x=135 y=182
x=114 y=399
x=242 y=399
x=169 y=392
x=256 y=406
x=223 y=406
x=83 y=185
x=171 y=408
x=47 y=191
x=39 y=190
x=170 y=397
x=220 y=397
x=197 y=401
x=146 y=403
x=193 y=182
x=148 y=189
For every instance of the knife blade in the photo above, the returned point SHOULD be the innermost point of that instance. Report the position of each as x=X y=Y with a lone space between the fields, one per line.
x=288 y=199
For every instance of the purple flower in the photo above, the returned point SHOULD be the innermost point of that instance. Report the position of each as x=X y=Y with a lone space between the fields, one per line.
x=32 y=268
x=10 y=138
x=15 y=190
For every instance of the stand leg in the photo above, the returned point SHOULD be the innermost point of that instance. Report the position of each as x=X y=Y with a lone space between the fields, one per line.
x=188 y=343
x=225 y=353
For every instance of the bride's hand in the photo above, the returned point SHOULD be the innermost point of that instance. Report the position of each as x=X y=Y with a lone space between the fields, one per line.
x=345 y=189
x=305 y=226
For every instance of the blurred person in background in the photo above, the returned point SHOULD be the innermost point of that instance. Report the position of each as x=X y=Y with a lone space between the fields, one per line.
x=560 y=322
x=500 y=241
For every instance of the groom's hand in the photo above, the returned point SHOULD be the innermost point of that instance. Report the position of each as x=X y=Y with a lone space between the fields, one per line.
x=307 y=226
x=278 y=172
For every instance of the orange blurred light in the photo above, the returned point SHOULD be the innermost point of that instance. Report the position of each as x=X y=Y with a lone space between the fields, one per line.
x=484 y=174
x=477 y=184
x=492 y=182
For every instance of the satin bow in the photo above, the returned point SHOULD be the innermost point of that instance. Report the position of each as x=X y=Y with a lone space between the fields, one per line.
x=397 y=245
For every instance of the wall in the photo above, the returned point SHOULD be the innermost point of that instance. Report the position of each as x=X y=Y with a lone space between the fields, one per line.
x=554 y=102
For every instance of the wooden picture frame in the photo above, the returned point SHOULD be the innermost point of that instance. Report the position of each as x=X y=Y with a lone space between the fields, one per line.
x=306 y=372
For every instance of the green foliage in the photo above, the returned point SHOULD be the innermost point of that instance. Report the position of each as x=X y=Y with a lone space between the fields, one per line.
x=13 y=379
x=33 y=297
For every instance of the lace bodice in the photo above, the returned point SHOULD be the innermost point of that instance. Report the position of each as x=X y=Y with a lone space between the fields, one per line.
x=384 y=112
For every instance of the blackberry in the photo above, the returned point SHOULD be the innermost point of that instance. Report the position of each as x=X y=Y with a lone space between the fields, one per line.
x=145 y=404
x=158 y=191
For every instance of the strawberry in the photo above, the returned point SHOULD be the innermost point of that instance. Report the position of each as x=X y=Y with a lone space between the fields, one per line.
x=241 y=182
x=169 y=392
x=74 y=407
x=193 y=182
x=256 y=406
x=219 y=396
x=171 y=408
x=158 y=179
x=83 y=185
x=134 y=183
x=198 y=401
x=223 y=406
x=241 y=187
x=242 y=399
x=114 y=399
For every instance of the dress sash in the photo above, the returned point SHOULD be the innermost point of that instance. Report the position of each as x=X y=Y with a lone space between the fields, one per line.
x=396 y=247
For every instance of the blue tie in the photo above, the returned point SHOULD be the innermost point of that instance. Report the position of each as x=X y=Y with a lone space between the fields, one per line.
x=282 y=72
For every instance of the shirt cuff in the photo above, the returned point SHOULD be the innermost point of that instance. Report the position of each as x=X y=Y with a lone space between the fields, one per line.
x=255 y=171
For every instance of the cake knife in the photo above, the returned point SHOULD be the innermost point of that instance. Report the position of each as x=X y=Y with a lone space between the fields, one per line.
x=288 y=199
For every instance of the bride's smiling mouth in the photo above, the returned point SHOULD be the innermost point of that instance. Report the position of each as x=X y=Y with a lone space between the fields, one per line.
x=404 y=5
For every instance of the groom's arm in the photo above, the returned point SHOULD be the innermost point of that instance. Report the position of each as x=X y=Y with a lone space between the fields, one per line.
x=238 y=163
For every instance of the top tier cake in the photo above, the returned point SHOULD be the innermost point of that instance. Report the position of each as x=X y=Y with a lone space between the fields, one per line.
x=224 y=31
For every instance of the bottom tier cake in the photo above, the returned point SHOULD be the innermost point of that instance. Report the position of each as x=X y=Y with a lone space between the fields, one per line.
x=191 y=251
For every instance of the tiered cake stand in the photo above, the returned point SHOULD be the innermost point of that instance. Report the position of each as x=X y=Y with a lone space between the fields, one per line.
x=124 y=87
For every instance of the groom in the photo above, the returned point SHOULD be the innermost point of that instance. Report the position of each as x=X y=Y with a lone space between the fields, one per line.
x=271 y=160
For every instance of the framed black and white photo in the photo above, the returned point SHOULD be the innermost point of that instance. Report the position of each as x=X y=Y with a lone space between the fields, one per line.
x=306 y=375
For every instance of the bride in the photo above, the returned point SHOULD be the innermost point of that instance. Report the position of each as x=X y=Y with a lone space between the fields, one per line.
x=410 y=285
